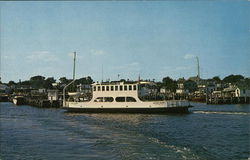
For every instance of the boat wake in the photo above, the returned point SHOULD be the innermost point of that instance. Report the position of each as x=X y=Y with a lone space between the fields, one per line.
x=221 y=112
x=179 y=152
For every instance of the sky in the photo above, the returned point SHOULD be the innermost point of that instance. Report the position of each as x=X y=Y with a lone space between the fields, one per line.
x=153 y=39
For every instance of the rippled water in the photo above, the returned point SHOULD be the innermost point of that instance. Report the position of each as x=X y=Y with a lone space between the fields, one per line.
x=209 y=132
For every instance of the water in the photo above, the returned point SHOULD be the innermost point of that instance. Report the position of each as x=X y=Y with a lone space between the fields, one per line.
x=209 y=132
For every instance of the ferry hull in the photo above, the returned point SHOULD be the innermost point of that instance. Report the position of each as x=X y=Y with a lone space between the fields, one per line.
x=130 y=110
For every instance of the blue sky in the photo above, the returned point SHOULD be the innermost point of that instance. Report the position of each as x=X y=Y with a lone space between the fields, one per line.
x=151 y=38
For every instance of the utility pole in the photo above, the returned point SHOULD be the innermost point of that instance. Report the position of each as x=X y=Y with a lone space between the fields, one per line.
x=102 y=72
x=198 y=65
x=74 y=68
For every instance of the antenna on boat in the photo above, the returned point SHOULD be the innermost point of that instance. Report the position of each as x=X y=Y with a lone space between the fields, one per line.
x=74 y=68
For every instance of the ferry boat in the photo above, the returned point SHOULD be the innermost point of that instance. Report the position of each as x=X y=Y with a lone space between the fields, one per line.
x=122 y=97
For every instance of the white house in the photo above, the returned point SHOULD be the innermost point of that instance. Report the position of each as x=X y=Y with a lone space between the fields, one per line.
x=52 y=95
x=242 y=92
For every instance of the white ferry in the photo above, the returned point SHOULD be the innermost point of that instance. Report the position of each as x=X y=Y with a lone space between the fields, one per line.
x=122 y=97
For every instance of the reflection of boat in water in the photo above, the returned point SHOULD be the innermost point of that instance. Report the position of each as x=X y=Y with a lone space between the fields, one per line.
x=18 y=100
x=124 y=98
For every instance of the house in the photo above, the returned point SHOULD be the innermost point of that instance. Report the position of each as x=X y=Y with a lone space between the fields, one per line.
x=242 y=92
x=84 y=88
x=236 y=91
x=210 y=87
x=166 y=93
x=4 y=88
x=53 y=95
x=164 y=90
x=147 y=88
x=217 y=93
x=229 y=91
x=181 y=90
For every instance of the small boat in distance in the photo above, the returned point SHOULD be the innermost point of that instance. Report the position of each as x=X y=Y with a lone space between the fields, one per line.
x=18 y=100
x=123 y=97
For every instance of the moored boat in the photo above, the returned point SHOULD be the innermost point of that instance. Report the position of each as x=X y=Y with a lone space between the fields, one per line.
x=18 y=100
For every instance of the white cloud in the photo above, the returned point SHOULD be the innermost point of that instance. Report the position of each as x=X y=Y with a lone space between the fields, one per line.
x=42 y=56
x=97 y=52
x=7 y=57
x=189 y=56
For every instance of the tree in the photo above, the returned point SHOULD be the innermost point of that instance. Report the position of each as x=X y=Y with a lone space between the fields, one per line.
x=48 y=82
x=233 y=78
x=11 y=83
x=37 y=78
x=37 y=81
x=190 y=85
x=169 y=83
x=25 y=83
x=216 y=79
x=64 y=80
x=84 y=80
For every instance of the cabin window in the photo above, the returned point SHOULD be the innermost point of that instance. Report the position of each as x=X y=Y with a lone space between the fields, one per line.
x=94 y=88
x=125 y=88
x=121 y=88
x=116 y=88
x=103 y=88
x=130 y=87
x=134 y=87
x=99 y=99
x=108 y=99
x=130 y=99
x=107 y=88
x=99 y=88
x=112 y=88
x=120 y=99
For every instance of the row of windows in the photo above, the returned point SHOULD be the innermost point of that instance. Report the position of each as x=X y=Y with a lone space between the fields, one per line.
x=117 y=99
x=115 y=88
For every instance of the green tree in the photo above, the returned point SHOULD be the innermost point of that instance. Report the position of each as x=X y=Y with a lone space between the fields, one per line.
x=84 y=80
x=190 y=85
x=216 y=79
x=25 y=83
x=11 y=83
x=233 y=78
x=169 y=83
x=64 y=80
x=37 y=81
x=48 y=82
x=37 y=78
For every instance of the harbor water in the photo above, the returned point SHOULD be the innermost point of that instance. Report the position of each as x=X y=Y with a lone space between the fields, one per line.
x=208 y=132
